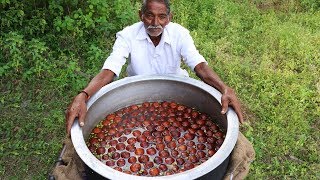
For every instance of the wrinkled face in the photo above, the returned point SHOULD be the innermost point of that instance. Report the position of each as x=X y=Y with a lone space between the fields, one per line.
x=155 y=18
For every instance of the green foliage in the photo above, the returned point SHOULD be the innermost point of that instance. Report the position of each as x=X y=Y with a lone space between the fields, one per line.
x=271 y=57
x=60 y=40
x=268 y=51
x=11 y=53
x=49 y=50
x=288 y=5
x=22 y=57
x=85 y=18
x=310 y=5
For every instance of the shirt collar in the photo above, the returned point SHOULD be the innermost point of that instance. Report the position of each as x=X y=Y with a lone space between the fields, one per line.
x=142 y=34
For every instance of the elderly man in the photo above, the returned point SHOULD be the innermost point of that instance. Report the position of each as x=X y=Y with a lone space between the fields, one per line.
x=153 y=46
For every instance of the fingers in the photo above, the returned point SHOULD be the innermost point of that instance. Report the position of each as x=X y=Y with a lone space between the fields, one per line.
x=231 y=100
x=224 y=104
x=238 y=111
x=240 y=116
x=71 y=115
x=82 y=115
x=78 y=109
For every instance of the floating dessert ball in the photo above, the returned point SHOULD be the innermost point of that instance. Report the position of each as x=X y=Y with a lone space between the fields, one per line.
x=155 y=139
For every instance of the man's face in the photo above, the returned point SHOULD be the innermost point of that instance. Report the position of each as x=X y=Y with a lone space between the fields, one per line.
x=155 y=18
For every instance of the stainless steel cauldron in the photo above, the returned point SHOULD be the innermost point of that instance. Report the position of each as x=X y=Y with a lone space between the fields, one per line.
x=138 y=89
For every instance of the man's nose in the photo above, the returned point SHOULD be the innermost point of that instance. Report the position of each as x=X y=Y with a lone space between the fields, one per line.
x=156 y=21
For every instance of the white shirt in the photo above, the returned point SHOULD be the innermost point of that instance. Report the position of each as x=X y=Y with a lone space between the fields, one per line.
x=133 y=43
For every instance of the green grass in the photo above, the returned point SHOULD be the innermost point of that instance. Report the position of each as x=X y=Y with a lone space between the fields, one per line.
x=268 y=51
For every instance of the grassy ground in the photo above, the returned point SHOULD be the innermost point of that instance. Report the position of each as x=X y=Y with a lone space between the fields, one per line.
x=268 y=52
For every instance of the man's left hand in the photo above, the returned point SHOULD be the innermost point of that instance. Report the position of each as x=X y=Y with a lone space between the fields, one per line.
x=229 y=98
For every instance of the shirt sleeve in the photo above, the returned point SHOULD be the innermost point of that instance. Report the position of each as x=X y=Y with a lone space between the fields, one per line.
x=118 y=56
x=189 y=52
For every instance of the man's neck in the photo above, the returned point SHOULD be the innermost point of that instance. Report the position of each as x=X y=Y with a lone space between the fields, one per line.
x=155 y=40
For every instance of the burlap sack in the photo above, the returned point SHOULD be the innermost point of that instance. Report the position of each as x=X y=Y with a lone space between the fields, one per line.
x=73 y=167
x=241 y=157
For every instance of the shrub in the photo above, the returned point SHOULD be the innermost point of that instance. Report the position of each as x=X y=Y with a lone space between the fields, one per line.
x=41 y=38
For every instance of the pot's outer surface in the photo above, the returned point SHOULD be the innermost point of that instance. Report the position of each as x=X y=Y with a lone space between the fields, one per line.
x=138 y=89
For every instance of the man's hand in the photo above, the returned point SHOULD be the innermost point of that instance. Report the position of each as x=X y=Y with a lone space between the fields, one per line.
x=77 y=108
x=229 y=98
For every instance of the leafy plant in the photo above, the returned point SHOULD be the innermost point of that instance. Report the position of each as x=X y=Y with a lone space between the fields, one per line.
x=268 y=51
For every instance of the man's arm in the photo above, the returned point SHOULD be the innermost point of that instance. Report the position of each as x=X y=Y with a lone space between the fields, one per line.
x=78 y=107
x=206 y=74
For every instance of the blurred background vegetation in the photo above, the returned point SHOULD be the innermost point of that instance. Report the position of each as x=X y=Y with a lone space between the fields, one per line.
x=267 y=50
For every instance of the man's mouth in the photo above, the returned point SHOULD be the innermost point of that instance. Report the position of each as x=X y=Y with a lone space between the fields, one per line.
x=151 y=27
x=154 y=30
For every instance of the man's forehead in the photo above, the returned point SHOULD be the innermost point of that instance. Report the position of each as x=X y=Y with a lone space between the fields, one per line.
x=156 y=6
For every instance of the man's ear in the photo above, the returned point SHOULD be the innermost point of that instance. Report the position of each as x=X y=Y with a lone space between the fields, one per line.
x=170 y=16
x=140 y=15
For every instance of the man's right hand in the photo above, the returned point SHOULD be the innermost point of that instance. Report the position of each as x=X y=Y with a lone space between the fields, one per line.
x=77 y=108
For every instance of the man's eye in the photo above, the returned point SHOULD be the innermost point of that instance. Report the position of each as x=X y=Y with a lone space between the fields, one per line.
x=163 y=17
x=149 y=16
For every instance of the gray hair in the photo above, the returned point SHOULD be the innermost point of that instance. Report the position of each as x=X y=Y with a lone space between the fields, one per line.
x=144 y=5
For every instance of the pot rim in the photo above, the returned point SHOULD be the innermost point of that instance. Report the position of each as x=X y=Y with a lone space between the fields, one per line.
x=92 y=162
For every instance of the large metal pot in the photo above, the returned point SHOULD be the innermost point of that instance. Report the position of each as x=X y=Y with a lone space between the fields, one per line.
x=138 y=89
